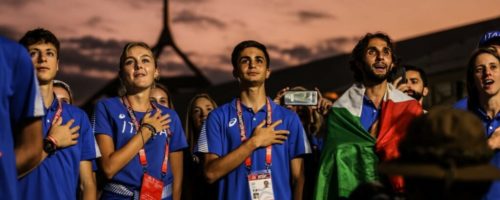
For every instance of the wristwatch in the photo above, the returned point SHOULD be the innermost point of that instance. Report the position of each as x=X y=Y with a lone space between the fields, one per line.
x=49 y=146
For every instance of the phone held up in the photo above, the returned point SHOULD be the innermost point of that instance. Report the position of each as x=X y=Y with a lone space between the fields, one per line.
x=301 y=98
x=396 y=73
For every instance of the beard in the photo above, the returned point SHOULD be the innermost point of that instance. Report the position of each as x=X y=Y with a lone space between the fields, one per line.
x=414 y=94
x=371 y=76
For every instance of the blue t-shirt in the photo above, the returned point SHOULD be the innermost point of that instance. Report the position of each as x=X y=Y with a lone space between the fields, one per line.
x=461 y=104
x=221 y=135
x=112 y=119
x=58 y=174
x=369 y=114
x=19 y=100
x=490 y=125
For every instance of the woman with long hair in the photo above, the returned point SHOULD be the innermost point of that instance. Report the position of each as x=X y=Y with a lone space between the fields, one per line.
x=141 y=142
x=195 y=186
x=161 y=95
x=483 y=88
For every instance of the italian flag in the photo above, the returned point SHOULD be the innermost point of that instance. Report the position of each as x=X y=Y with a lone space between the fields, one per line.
x=351 y=155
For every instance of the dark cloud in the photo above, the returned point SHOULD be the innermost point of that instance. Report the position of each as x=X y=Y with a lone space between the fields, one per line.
x=140 y=4
x=97 y=22
x=93 y=43
x=15 y=3
x=328 y=47
x=307 y=16
x=90 y=53
x=188 y=17
x=300 y=52
x=9 y=32
x=93 y=21
x=190 y=1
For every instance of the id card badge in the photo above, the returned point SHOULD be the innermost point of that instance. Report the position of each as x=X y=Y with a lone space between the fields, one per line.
x=151 y=188
x=261 y=185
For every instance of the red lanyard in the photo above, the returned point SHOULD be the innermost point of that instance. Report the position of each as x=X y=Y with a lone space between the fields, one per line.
x=58 y=112
x=142 y=152
x=248 y=160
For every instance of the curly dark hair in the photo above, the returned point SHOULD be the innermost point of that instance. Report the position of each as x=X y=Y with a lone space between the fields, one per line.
x=359 y=51
x=40 y=35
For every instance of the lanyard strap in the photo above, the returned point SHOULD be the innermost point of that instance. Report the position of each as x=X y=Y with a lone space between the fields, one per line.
x=142 y=151
x=58 y=112
x=248 y=160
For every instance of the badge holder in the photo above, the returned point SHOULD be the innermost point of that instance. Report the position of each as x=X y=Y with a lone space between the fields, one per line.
x=261 y=185
x=151 y=188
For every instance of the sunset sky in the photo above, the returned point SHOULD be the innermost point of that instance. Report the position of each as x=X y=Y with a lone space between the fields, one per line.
x=296 y=31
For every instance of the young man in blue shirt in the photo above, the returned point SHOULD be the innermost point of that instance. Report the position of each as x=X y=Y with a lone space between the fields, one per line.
x=69 y=144
x=20 y=116
x=251 y=140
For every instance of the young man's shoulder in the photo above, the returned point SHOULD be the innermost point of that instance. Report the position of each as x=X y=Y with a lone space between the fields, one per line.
x=223 y=109
x=285 y=113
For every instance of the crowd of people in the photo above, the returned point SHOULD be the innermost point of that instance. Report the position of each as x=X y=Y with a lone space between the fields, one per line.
x=374 y=142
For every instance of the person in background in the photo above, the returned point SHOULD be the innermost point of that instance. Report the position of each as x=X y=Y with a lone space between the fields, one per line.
x=483 y=87
x=195 y=185
x=21 y=113
x=313 y=121
x=161 y=95
x=416 y=84
x=141 y=142
x=490 y=40
x=63 y=91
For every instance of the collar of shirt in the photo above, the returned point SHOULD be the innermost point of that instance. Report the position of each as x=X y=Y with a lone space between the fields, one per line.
x=369 y=113
x=490 y=124
x=53 y=105
x=262 y=109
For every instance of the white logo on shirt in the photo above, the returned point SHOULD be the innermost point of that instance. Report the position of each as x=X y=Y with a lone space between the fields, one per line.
x=232 y=122
x=121 y=116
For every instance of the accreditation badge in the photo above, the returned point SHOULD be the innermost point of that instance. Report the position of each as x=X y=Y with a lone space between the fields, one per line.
x=261 y=185
x=151 y=188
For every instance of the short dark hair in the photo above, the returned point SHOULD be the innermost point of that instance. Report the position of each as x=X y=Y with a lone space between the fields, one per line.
x=420 y=71
x=40 y=35
x=246 y=44
x=472 y=91
x=359 y=51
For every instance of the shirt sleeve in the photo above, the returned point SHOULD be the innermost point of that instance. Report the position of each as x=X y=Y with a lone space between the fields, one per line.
x=88 y=139
x=101 y=120
x=298 y=143
x=26 y=101
x=210 y=140
x=178 y=140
